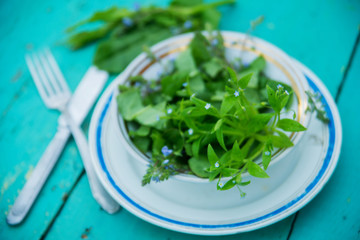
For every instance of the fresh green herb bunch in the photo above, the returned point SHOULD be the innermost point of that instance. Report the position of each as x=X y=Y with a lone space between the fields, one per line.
x=207 y=116
x=124 y=31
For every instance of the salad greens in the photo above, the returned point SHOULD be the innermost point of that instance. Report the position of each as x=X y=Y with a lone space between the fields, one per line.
x=123 y=32
x=207 y=116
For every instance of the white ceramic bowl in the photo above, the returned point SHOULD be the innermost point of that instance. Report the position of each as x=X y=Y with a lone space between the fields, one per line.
x=279 y=66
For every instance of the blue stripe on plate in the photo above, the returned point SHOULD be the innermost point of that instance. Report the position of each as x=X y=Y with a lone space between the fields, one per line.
x=262 y=218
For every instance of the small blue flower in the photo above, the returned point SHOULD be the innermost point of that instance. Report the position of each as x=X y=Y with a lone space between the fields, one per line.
x=188 y=24
x=166 y=161
x=267 y=153
x=137 y=84
x=191 y=131
x=214 y=42
x=207 y=106
x=156 y=179
x=286 y=92
x=217 y=164
x=236 y=93
x=169 y=111
x=233 y=181
x=127 y=22
x=166 y=151
x=185 y=84
x=279 y=86
x=220 y=184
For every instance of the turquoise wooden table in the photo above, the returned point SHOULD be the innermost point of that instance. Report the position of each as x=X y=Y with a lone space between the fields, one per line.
x=322 y=34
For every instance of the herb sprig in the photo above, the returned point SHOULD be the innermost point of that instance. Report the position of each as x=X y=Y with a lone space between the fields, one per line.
x=123 y=32
x=208 y=117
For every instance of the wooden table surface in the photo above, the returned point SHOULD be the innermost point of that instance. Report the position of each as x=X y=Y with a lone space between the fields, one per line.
x=323 y=34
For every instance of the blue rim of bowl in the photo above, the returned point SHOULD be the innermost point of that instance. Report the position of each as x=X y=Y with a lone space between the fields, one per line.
x=324 y=167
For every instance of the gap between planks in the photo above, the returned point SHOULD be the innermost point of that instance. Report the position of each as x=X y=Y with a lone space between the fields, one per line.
x=65 y=199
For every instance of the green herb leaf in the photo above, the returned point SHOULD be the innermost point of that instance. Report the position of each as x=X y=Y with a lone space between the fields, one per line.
x=290 y=125
x=213 y=159
x=199 y=166
x=256 y=171
x=244 y=81
x=266 y=155
x=281 y=141
x=129 y=103
x=220 y=138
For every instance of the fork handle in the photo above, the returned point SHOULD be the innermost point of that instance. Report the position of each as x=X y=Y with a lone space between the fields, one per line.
x=97 y=190
x=38 y=177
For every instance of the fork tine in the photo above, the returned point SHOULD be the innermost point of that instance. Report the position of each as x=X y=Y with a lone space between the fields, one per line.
x=42 y=75
x=50 y=74
x=57 y=71
x=36 y=79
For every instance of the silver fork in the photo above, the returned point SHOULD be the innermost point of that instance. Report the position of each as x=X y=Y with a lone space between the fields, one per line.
x=56 y=94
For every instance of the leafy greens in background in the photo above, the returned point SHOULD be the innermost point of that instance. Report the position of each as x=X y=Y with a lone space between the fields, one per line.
x=207 y=116
x=123 y=32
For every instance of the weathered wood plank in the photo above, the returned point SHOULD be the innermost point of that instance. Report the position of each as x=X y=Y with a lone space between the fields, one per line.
x=123 y=225
x=305 y=29
x=320 y=34
x=335 y=212
x=275 y=29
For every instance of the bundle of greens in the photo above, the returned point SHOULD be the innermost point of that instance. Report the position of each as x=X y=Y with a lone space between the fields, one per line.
x=124 y=32
x=207 y=116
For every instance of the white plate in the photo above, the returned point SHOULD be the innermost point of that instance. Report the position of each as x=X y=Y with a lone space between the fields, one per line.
x=204 y=216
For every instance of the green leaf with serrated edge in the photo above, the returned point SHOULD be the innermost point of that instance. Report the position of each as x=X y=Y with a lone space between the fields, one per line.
x=281 y=141
x=220 y=138
x=244 y=81
x=213 y=158
x=256 y=171
x=272 y=99
x=199 y=166
x=266 y=155
x=196 y=147
x=290 y=125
